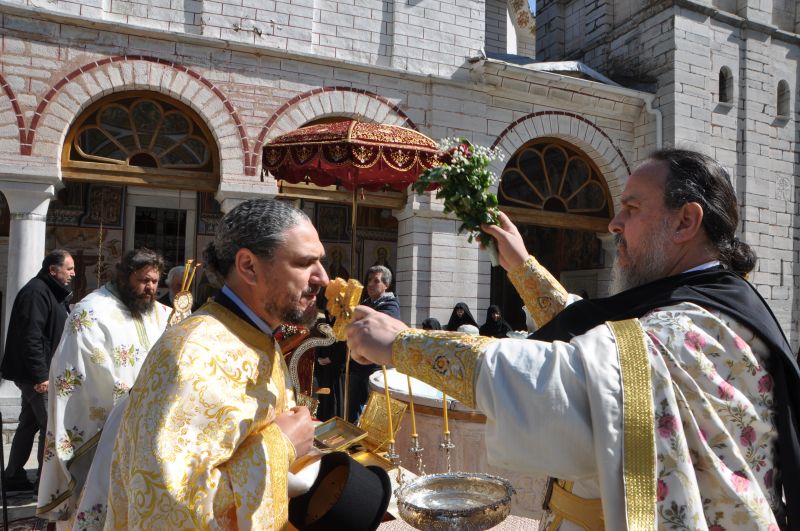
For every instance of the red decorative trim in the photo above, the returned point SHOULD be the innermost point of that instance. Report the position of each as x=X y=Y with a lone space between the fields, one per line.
x=518 y=121
x=27 y=136
x=17 y=112
x=254 y=156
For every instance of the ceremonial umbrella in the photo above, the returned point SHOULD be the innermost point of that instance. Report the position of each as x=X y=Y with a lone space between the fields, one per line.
x=351 y=154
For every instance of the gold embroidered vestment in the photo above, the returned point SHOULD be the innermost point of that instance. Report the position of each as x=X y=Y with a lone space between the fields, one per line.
x=197 y=447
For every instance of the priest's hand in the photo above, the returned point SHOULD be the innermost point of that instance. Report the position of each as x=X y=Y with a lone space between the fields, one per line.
x=371 y=334
x=298 y=427
x=510 y=245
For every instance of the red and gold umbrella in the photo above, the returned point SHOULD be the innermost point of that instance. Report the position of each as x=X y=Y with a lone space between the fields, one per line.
x=351 y=154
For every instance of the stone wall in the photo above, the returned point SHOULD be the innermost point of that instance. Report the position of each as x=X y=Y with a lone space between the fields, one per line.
x=496 y=26
x=424 y=37
x=677 y=50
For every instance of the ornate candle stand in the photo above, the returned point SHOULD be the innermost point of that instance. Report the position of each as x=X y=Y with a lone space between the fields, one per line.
x=417 y=450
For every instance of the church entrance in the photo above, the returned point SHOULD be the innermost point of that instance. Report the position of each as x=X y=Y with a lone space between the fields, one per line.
x=558 y=199
x=140 y=170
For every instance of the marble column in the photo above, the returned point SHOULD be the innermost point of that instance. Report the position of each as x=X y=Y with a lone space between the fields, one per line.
x=28 y=204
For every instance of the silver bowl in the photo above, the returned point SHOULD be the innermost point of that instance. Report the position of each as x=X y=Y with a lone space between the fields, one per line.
x=459 y=500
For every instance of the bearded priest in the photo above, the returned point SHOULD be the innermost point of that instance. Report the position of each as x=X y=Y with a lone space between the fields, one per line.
x=673 y=404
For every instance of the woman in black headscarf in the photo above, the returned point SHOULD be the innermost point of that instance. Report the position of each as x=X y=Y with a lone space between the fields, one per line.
x=495 y=325
x=431 y=323
x=460 y=316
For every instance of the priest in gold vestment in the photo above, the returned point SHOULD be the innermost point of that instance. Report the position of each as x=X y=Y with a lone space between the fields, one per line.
x=210 y=429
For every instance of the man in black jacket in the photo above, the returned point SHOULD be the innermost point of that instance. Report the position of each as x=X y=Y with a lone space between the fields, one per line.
x=34 y=330
x=379 y=280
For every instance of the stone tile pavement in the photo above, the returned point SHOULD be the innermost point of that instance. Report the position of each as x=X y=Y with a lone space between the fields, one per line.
x=20 y=504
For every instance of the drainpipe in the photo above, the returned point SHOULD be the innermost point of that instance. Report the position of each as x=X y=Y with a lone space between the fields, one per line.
x=648 y=106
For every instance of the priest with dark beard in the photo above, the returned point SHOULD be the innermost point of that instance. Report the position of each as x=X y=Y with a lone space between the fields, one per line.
x=105 y=341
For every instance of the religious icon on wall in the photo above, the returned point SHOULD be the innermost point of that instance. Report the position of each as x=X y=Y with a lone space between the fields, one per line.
x=332 y=222
x=209 y=213
x=337 y=260
x=104 y=206
x=378 y=252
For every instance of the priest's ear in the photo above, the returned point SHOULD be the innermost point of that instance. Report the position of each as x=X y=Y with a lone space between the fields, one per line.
x=690 y=223
x=246 y=265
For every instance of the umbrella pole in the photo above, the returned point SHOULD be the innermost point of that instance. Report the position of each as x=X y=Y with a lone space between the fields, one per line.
x=353 y=222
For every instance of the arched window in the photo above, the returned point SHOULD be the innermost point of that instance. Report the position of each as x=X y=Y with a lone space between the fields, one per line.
x=552 y=183
x=725 y=85
x=141 y=138
x=560 y=202
x=784 y=97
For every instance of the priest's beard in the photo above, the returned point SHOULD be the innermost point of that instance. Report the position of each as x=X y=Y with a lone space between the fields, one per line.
x=294 y=315
x=649 y=264
x=138 y=304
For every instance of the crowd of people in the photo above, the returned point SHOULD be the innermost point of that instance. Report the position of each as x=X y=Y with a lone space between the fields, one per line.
x=673 y=402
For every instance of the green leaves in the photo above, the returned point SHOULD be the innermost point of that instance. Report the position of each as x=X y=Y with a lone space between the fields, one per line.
x=464 y=181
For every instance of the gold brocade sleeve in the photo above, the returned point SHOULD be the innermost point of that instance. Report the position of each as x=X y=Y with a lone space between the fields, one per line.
x=446 y=360
x=543 y=295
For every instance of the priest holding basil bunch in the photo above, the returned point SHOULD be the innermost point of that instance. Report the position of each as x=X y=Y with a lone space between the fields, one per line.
x=673 y=403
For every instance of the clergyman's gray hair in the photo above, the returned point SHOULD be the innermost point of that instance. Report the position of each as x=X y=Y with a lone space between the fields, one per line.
x=174 y=272
x=258 y=224
x=386 y=274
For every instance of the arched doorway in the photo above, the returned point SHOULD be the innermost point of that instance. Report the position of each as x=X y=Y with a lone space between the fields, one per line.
x=560 y=202
x=140 y=169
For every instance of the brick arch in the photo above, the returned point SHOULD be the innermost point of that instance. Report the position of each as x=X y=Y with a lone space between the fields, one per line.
x=11 y=115
x=574 y=129
x=80 y=88
x=329 y=101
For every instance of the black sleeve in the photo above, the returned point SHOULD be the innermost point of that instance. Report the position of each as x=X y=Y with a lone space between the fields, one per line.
x=34 y=345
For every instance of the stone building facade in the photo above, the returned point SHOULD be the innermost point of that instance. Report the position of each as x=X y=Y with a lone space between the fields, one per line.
x=247 y=74
x=724 y=74
x=612 y=81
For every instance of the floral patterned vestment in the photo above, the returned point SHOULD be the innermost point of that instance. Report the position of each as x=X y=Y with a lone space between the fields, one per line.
x=556 y=408
x=95 y=364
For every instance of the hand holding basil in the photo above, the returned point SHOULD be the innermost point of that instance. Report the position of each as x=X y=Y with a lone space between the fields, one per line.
x=464 y=180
